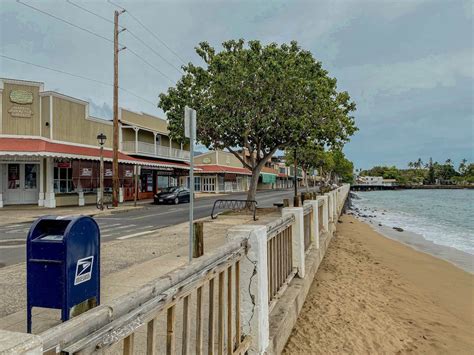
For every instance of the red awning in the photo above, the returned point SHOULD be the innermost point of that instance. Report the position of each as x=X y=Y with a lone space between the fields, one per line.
x=43 y=148
x=222 y=169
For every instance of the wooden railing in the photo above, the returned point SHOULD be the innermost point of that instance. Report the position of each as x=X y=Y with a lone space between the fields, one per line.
x=154 y=150
x=279 y=257
x=208 y=298
x=307 y=225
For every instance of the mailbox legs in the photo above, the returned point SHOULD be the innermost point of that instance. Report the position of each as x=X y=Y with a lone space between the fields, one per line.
x=28 y=318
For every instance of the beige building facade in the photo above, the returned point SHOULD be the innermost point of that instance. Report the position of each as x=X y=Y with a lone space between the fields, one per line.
x=49 y=153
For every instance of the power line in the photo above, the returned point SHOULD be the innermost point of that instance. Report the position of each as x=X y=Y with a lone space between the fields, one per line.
x=150 y=32
x=92 y=12
x=76 y=76
x=97 y=35
x=149 y=64
x=67 y=22
x=154 y=51
x=129 y=31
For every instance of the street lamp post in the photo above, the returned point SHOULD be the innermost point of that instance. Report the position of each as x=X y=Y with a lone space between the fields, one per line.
x=101 y=138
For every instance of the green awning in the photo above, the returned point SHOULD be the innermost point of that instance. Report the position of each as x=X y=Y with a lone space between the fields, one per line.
x=268 y=178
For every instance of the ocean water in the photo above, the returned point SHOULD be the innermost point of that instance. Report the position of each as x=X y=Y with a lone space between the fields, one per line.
x=444 y=217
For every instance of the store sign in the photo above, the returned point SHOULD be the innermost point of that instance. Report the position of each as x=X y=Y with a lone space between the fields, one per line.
x=86 y=172
x=21 y=97
x=64 y=164
x=128 y=173
x=20 y=111
x=206 y=161
x=108 y=172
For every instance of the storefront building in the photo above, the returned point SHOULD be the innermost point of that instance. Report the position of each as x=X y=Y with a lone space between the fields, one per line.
x=49 y=153
x=220 y=171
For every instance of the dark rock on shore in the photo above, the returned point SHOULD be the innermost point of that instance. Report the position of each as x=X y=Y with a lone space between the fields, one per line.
x=398 y=229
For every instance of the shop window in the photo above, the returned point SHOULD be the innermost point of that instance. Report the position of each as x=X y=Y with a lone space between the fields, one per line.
x=208 y=184
x=162 y=181
x=13 y=176
x=31 y=176
x=197 y=183
x=63 y=180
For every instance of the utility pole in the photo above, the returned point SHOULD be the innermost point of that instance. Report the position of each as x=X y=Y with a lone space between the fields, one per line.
x=115 y=164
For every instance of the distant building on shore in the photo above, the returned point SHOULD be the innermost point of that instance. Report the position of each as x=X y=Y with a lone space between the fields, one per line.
x=374 y=183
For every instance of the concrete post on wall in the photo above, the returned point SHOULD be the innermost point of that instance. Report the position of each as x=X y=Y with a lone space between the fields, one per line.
x=49 y=196
x=298 y=238
x=254 y=285
x=330 y=206
x=121 y=194
x=314 y=222
x=20 y=343
x=325 y=221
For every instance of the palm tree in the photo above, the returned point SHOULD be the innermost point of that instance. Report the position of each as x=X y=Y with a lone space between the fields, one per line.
x=449 y=162
x=411 y=165
x=418 y=164
x=462 y=166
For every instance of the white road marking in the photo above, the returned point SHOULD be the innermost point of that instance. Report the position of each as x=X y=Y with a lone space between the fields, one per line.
x=17 y=231
x=13 y=225
x=21 y=244
x=108 y=234
x=134 y=235
x=124 y=227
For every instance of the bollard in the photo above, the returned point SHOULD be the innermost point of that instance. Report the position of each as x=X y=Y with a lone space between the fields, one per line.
x=296 y=201
x=286 y=202
x=198 y=239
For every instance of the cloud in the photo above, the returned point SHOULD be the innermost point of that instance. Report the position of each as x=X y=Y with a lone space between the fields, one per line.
x=430 y=72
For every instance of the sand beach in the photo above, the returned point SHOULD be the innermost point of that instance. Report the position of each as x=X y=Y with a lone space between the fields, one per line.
x=375 y=295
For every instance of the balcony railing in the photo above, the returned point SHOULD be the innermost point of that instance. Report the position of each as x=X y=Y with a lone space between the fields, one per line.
x=153 y=150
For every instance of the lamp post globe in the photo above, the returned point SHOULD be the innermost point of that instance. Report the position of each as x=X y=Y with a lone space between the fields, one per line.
x=101 y=138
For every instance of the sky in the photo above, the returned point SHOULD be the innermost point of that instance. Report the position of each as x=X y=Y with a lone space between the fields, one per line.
x=408 y=64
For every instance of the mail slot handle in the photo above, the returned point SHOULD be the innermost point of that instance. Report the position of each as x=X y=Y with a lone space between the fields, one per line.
x=46 y=261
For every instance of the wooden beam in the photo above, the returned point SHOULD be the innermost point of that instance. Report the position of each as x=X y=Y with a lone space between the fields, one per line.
x=199 y=321
x=128 y=344
x=211 y=318
x=185 y=339
x=170 y=331
x=230 y=342
x=220 y=316
x=151 y=337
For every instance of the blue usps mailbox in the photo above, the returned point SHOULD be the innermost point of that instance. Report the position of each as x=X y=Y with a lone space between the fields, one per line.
x=62 y=263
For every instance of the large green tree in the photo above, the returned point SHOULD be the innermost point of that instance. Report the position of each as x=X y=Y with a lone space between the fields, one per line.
x=260 y=98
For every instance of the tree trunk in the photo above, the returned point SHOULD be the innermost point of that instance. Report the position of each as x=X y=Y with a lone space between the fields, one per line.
x=306 y=180
x=252 y=193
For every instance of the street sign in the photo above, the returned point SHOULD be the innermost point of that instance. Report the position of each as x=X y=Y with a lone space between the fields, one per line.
x=189 y=122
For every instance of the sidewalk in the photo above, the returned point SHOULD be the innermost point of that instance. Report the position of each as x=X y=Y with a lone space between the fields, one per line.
x=126 y=266
x=28 y=213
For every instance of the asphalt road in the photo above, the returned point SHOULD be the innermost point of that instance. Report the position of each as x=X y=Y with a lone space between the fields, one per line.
x=131 y=224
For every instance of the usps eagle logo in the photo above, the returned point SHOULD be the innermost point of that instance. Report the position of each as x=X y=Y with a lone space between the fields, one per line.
x=84 y=270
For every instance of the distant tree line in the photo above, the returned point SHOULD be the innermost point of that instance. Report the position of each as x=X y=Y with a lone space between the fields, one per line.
x=331 y=164
x=429 y=173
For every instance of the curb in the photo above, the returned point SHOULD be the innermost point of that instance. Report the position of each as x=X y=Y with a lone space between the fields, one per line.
x=93 y=214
